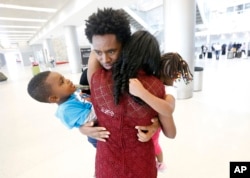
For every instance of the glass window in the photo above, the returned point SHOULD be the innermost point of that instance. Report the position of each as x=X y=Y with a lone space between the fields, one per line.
x=230 y=9
x=247 y=6
x=239 y=7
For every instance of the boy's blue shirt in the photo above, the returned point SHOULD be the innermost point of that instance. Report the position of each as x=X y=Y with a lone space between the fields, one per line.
x=73 y=112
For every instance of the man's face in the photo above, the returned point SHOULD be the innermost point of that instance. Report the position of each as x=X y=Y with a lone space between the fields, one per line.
x=107 y=49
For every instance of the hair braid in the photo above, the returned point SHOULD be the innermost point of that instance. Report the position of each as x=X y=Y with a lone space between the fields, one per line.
x=141 y=52
x=174 y=67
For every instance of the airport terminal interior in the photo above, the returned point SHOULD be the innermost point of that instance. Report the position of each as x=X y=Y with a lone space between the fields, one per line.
x=212 y=125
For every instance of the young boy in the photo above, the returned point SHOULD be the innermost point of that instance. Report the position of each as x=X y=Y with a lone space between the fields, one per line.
x=172 y=67
x=73 y=109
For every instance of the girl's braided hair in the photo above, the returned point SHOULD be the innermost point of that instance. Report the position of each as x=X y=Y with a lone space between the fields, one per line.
x=174 y=67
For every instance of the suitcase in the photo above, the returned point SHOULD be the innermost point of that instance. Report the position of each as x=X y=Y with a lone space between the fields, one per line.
x=238 y=54
x=2 y=77
x=209 y=55
x=200 y=56
x=230 y=55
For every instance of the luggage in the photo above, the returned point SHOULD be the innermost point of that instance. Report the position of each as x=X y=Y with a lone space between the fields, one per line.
x=238 y=54
x=2 y=77
x=200 y=56
x=230 y=55
x=209 y=55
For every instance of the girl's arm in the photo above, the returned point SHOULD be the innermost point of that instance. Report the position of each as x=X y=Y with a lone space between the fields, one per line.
x=168 y=125
x=165 y=108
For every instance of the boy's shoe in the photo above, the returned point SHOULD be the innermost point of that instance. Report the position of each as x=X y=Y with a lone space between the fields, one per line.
x=161 y=166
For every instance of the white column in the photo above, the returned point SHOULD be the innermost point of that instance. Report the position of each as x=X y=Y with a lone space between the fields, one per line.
x=73 y=49
x=179 y=31
x=48 y=49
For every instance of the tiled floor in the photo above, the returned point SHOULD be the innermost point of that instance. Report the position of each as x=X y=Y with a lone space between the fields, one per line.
x=213 y=128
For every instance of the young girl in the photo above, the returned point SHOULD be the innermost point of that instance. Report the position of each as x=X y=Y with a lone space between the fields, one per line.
x=173 y=67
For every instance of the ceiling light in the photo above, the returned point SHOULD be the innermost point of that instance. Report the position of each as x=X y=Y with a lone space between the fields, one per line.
x=18 y=40
x=10 y=6
x=23 y=19
x=9 y=31
x=15 y=35
x=18 y=26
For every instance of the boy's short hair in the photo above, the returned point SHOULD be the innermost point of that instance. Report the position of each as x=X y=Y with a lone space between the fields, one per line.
x=38 y=88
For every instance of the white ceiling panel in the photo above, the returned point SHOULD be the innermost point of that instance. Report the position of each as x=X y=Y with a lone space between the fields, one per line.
x=21 y=19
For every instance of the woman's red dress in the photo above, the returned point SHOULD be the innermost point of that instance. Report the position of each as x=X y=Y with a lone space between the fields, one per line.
x=122 y=155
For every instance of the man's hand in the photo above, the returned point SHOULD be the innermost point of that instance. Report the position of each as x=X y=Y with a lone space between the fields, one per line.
x=98 y=133
x=145 y=133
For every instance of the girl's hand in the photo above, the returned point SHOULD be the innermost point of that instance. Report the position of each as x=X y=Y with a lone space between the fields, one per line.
x=135 y=87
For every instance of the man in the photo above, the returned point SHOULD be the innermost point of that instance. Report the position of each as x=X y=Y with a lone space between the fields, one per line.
x=108 y=30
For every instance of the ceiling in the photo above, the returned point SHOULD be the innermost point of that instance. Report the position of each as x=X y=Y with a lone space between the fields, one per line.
x=31 y=21
x=28 y=22
x=21 y=19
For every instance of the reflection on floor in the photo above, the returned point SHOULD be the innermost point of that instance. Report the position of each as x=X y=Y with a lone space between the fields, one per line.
x=213 y=128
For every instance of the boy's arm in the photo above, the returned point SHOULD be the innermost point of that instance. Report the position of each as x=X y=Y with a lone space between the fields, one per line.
x=93 y=66
x=99 y=133
x=164 y=108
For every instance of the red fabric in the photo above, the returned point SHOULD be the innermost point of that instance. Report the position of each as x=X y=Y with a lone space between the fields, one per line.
x=123 y=156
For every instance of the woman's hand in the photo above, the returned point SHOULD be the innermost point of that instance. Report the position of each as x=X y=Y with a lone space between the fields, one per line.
x=98 y=133
x=145 y=133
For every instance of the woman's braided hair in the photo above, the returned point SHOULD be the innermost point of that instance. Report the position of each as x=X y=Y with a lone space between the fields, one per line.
x=141 y=52
x=174 y=67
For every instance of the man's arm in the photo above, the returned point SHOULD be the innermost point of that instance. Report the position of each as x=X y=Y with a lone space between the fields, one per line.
x=99 y=133
x=145 y=133
x=93 y=66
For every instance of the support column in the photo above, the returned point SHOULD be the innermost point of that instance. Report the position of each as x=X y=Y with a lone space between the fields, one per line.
x=48 y=50
x=73 y=49
x=179 y=33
